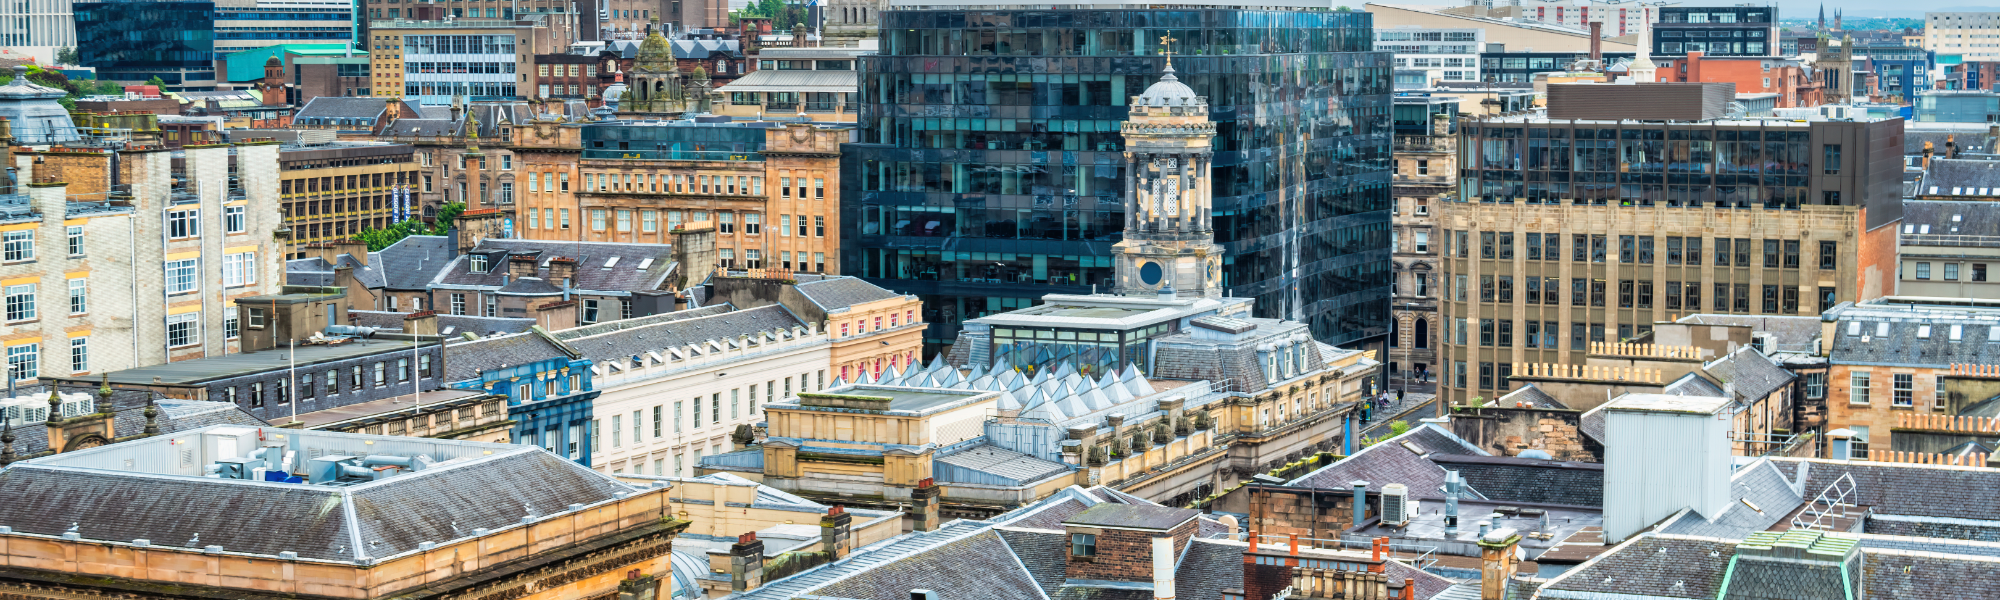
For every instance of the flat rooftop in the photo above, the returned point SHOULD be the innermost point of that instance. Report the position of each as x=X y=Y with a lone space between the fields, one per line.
x=1668 y=403
x=1428 y=525
x=915 y=400
x=203 y=370
x=397 y=407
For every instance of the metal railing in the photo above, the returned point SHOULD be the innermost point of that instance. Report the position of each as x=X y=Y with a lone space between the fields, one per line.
x=1829 y=506
x=1975 y=241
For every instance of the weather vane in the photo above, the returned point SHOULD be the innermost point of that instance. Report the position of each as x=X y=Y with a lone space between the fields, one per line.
x=1167 y=48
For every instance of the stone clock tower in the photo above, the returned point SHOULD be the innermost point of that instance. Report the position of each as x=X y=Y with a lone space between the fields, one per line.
x=1169 y=245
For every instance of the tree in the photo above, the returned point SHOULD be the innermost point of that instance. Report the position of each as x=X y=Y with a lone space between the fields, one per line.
x=1399 y=428
x=156 y=81
x=378 y=239
x=68 y=56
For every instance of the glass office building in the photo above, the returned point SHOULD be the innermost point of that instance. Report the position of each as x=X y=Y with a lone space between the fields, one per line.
x=990 y=167
x=135 y=41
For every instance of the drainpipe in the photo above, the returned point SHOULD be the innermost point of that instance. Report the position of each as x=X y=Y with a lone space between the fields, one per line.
x=1360 y=501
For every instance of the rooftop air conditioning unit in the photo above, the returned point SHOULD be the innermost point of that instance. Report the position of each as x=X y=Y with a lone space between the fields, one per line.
x=1396 y=504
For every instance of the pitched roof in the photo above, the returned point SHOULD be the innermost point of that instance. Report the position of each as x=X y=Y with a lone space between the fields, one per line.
x=1885 y=335
x=836 y=293
x=1949 y=217
x=620 y=344
x=1752 y=374
x=1760 y=495
x=1132 y=516
x=412 y=262
x=940 y=569
x=422 y=127
x=1662 y=566
x=988 y=464
x=345 y=107
x=1905 y=489
x=1401 y=459
x=468 y=359
x=1530 y=395
x=1961 y=177
x=389 y=516
x=1528 y=480
x=632 y=267
x=701 y=49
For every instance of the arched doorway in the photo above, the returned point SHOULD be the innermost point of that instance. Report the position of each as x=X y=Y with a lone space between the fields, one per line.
x=1421 y=336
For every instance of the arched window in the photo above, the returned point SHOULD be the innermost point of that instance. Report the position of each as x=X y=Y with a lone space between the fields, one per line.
x=1421 y=337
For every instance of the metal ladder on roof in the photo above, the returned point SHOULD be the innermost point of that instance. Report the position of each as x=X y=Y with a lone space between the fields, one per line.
x=1832 y=504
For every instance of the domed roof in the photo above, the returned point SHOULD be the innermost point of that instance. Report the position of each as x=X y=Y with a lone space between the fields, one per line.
x=1168 y=91
x=655 y=54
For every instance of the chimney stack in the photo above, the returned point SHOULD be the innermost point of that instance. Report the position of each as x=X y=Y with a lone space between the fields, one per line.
x=1929 y=149
x=925 y=499
x=1497 y=562
x=1163 y=567
x=1597 y=41
x=834 y=528
x=746 y=563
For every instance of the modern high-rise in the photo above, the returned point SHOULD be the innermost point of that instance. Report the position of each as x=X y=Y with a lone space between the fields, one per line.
x=133 y=41
x=990 y=168
x=37 y=28
x=1969 y=35
x=1627 y=205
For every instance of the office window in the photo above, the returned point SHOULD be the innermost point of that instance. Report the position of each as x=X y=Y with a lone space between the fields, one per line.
x=1829 y=255
x=1830 y=158
x=1951 y=271
x=1645 y=249
x=1770 y=254
x=1625 y=293
x=753 y=223
x=1082 y=545
x=79 y=296
x=1815 y=385
x=381 y=374
x=183 y=224
x=183 y=329
x=1978 y=271
x=1905 y=389
x=1742 y=252
x=75 y=240
x=1770 y=299
x=1487 y=244
x=1791 y=254
x=1506 y=245
x=1857 y=387
x=1627 y=248
x=624 y=221
x=715 y=408
x=239 y=269
x=649 y=221
x=233 y=220
x=1693 y=254
x=1923 y=270
x=1722 y=253
x=597 y=219
x=20 y=245
x=79 y=354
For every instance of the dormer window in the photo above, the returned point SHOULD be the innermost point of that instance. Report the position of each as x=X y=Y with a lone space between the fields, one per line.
x=478 y=263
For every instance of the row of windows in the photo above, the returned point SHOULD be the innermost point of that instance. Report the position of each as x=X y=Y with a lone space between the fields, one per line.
x=1672 y=295
x=1950 y=272
x=1902 y=389
x=692 y=410
x=24 y=361
x=1636 y=249
x=311 y=385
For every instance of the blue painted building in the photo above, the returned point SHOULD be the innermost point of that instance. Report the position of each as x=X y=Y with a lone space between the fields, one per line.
x=1901 y=71
x=548 y=388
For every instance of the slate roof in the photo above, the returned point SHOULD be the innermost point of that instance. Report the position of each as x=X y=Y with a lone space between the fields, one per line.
x=1662 y=566
x=1691 y=385
x=836 y=293
x=1532 y=396
x=1133 y=516
x=1949 y=217
x=413 y=262
x=701 y=49
x=317 y=271
x=1591 y=424
x=1886 y=334
x=1528 y=480
x=345 y=107
x=1764 y=486
x=1045 y=554
x=1207 y=567
x=894 y=580
x=468 y=359
x=620 y=344
x=1048 y=515
x=391 y=516
x=591 y=276
x=1911 y=489
x=1753 y=374
x=1392 y=461
x=1967 y=135
x=421 y=127
x=1961 y=177
x=449 y=325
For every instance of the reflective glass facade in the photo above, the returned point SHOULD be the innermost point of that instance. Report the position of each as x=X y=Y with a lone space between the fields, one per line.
x=990 y=171
x=133 y=41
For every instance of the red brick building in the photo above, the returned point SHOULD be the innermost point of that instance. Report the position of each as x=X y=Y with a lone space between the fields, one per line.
x=1785 y=77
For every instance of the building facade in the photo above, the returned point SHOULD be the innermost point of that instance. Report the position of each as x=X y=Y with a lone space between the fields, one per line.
x=1962 y=34
x=131 y=42
x=1452 y=53
x=770 y=192
x=1017 y=192
x=38 y=28
x=335 y=190
x=1948 y=249
x=251 y=24
x=106 y=276
x=1426 y=164
x=1716 y=31
x=433 y=62
x=1617 y=227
